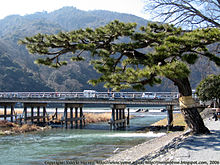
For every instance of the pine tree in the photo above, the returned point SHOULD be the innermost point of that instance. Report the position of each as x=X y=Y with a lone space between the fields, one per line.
x=130 y=58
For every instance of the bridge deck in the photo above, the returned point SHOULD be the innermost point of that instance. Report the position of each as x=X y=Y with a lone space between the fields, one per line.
x=92 y=97
x=94 y=101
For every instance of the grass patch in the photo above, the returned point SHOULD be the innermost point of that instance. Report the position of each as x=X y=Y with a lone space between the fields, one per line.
x=9 y=128
x=178 y=120
x=97 y=117
x=90 y=117
x=17 y=111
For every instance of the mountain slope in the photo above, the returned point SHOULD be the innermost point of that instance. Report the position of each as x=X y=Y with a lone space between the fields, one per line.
x=17 y=65
x=15 y=78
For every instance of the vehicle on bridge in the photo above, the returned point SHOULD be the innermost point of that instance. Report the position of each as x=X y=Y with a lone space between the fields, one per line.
x=89 y=93
x=150 y=95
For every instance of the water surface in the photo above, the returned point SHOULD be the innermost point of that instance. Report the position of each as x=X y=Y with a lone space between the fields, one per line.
x=94 y=142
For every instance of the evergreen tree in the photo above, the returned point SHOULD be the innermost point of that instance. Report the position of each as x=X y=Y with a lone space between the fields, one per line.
x=130 y=58
x=209 y=89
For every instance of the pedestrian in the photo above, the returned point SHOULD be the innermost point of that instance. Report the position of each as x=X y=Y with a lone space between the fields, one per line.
x=215 y=116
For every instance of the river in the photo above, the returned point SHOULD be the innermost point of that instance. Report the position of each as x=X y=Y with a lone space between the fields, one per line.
x=92 y=143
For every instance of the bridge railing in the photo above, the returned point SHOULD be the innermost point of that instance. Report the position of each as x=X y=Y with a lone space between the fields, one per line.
x=101 y=95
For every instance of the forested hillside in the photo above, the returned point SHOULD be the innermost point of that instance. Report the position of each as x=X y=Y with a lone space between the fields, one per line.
x=19 y=73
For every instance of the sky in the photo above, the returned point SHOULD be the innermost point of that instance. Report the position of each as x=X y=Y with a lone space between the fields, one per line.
x=23 y=7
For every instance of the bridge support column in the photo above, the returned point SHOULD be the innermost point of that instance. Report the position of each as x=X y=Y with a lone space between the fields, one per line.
x=65 y=116
x=81 y=117
x=74 y=118
x=112 y=124
x=118 y=119
x=56 y=113
x=12 y=111
x=38 y=114
x=123 y=117
x=44 y=114
x=25 y=114
x=32 y=115
x=128 y=117
x=35 y=116
x=71 y=116
x=5 y=114
x=170 y=117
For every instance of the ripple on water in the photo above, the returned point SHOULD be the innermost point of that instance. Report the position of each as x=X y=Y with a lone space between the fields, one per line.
x=60 y=144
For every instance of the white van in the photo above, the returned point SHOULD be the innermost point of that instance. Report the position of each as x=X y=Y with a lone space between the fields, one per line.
x=89 y=93
x=149 y=95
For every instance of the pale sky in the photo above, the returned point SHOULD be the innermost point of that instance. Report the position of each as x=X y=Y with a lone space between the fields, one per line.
x=23 y=7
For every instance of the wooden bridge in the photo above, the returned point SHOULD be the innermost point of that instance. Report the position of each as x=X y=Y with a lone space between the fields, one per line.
x=38 y=101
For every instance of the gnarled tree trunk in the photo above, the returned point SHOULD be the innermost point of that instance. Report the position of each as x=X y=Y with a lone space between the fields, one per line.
x=188 y=107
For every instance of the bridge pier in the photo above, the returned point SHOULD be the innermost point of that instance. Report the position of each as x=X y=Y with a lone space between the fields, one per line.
x=170 y=117
x=128 y=117
x=118 y=119
x=78 y=115
x=34 y=115
x=5 y=114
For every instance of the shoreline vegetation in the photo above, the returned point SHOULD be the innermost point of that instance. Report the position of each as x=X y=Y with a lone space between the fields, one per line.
x=178 y=120
x=179 y=125
x=9 y=128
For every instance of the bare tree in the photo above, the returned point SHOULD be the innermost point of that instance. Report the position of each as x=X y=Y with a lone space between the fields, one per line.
x=186 y=13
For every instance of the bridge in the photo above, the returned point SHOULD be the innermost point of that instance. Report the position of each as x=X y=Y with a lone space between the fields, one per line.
x=76 y=100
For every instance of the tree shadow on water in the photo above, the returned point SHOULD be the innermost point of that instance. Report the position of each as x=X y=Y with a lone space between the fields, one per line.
x=198 y=142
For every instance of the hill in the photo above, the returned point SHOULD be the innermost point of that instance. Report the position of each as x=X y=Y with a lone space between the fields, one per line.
x=17 y=65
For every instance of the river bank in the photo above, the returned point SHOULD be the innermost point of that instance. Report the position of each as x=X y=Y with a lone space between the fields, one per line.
x=176 y=148
x=9 y=128
x=202 y=149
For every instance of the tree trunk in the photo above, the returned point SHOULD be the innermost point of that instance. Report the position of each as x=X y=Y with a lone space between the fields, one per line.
x=191 y=115
x=217 y=102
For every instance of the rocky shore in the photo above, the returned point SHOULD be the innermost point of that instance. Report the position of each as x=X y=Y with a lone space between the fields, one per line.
x=176 y=148
x=147 y=150
x=9 y=128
